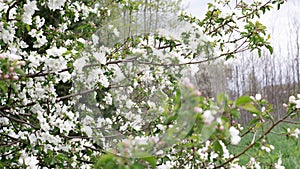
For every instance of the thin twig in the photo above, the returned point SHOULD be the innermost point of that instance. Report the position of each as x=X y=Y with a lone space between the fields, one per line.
x=252 y=144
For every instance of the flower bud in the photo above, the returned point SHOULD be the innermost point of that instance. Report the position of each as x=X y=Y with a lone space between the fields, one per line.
x=198 y=110
x=11 y=69
x=22 y=62
x=15 y=78
x=292 y=99
x=222 y=128
x=198 y=93
x=6 y=76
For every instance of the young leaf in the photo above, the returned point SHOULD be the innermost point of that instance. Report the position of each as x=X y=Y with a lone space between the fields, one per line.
x=242 y=100
x=146 y=157
x=250 y=108
x=20 y=71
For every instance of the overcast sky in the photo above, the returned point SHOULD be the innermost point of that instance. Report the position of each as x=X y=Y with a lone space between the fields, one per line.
x=196 y=7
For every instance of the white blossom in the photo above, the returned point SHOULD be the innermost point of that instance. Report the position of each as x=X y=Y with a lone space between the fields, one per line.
x=292 y=99
x=166 y=165
x=234 y=133
x=208 y=116
x=258 y=97
x=95 y=39
x=40 y=21
x=116 y=32
x=81 y=40
x=129 y=104
x=268 y=148
x=13 y=57
x=108 y=99
x=6 y=36
x=79 y=63
x=104 y=81
x=54 y=51
x=29 y=9
x=253 y=164
x=30 y=161
x=296 y=133
x=88 y=130
x=226 y=153
x=100 y=57
x=278 y=165
x=56 y=4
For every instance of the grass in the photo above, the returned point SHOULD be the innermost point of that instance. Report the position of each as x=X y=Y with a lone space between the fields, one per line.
x=286 y=148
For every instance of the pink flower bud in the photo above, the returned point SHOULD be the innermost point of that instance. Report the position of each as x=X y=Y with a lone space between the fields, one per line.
x=221 y=128
x=198 y=93
x=1 y=57
x=198 y=110
x=13 y=73
x=11 y=69
x=22 y=63
x=15 y=78
x=6 y=76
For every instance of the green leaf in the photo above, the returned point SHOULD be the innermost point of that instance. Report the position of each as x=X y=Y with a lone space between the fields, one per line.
x=61 y=157
x=235 y=113
x=221 y=98
x=191 y=131
x=14 y=87
x=151 y=161
x=270 y=49
x=106 y=161
x=218 y=148
x=146 y=157
x=20 y=71
x=253 y=121
x=28 y=28
x=250 y=108
x=207 y=131
x=259 y=53
x=243 y=100
x=137 y=166
x=3 y=87
x=229 y=56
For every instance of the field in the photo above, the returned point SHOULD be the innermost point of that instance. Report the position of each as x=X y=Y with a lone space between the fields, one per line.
x=288 y=148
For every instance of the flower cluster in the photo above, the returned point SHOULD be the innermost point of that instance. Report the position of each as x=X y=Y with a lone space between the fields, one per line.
x=11 y=67
x=68 y=100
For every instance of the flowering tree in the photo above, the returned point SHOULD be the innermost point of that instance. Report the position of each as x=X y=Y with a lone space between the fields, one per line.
x=69 y=102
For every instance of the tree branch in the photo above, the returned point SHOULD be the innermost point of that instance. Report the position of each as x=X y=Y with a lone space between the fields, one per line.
x=260 y=138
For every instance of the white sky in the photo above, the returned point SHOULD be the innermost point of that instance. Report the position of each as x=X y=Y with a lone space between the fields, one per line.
x=196 y=7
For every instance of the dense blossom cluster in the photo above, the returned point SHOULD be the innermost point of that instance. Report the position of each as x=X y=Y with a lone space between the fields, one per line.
x=67 y=100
